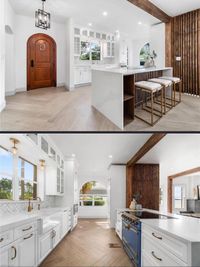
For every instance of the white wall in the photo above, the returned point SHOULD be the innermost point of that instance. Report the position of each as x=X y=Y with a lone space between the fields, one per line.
x=117 y=176
x=2 y=55
x=157 y=41
x=10 y=49
x=25 y=27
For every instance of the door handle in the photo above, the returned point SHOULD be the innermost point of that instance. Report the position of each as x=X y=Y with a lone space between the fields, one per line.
x=32 y=63
x=15 y=255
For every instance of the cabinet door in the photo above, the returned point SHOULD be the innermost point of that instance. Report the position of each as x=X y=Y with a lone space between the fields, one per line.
x=77 y=76
x=113 y=50
x=4 y=256
x=58 y=180
x=56 y=235
x=62 y=183
x=77 y=46
x=27 y=251
x=45 y=245
x=108 y=49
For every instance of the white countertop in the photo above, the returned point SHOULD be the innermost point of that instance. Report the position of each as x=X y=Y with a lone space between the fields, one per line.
x=8 y=221
x=181 y=227
x=125 y=71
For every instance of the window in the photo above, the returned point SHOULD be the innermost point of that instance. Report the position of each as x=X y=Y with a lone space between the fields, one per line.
x=90 y=51
x=93 y=194
x=27 y=173
x=6 y=174
x=179 y=197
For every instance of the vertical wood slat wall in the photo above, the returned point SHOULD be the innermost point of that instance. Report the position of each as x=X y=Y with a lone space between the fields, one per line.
x=186 y=44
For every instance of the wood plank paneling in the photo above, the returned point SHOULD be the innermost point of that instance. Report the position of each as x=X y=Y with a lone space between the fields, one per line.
x=144 y=179
x=185 y=42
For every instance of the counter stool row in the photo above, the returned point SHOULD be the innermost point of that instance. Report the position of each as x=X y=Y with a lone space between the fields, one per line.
x=160 y=91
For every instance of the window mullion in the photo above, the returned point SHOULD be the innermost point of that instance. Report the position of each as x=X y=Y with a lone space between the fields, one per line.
x=15 y=178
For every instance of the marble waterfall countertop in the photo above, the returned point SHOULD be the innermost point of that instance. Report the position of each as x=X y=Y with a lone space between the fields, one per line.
x=128 y=71
x=181 y=227
x=8 y=221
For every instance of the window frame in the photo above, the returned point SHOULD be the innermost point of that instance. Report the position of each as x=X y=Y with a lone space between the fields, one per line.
x=183 y=197
x=35 y=180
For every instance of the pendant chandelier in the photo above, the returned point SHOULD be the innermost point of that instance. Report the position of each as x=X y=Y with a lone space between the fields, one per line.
x=42 y=18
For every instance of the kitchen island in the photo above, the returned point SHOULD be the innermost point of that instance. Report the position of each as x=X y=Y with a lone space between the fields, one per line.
x=113 y=91
x=169 y=240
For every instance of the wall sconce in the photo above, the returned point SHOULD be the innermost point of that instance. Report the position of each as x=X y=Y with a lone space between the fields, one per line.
x=14 y=149
x=42 y=164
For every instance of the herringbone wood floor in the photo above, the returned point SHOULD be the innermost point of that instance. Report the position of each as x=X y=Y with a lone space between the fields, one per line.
x=88 y=245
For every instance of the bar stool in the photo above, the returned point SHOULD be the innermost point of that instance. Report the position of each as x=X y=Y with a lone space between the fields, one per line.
x=166 y=84
x=176 y=81
x=150 y=88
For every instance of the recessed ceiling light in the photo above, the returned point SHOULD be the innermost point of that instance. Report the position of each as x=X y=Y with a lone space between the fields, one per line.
x=139 y=23
x=105 y=13
x=73 y=155
x=90 y=24
x=110 y=156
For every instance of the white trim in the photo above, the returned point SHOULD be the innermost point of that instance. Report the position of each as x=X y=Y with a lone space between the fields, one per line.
x=2 y=106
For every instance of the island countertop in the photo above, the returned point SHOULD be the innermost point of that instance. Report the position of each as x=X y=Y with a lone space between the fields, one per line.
x=181 y=227
x=129 y=71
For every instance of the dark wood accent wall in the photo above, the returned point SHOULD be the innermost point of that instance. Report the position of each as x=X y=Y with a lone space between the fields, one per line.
x=144 y=179
x=185 y=42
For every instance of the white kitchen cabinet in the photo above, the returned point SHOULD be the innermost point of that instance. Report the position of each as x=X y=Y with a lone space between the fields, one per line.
x=118 y=226
x=77 y=46
x=45 y=245
x=54 y=180
x=26 y=251
x=9 y=256
x=160 y=249
x=82 y=75
x=56 y=235
x=109 y=49
x=66 y=222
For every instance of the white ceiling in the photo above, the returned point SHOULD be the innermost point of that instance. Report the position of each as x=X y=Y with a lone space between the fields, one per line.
x=176 y=7
x=122 y=15
x=93 y=150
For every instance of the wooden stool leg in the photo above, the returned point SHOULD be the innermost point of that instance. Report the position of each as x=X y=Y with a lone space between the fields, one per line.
x=165 y=111
x=180 y=91
x=152 y=108
x=162 y=100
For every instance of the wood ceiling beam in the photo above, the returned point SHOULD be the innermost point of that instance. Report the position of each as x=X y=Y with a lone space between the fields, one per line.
x=150 y=8
x=151 y=142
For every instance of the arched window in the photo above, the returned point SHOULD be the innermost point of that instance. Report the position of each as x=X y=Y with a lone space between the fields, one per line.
x=144 y=54
x=93 y=194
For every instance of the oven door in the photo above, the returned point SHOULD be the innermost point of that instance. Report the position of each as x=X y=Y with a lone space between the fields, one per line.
x=131 y=237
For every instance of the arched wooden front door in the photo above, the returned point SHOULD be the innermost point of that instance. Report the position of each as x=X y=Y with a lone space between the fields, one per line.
x=41 y=62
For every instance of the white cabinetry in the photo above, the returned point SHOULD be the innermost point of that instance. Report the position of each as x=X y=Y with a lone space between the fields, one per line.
x=118 y=226
x=66 y=222
x=109 y=49
x=22 y=251
x=159 y=249
x=83 y=75
x=45 y=245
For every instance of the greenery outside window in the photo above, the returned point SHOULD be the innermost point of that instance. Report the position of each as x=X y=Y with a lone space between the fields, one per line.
x=27 y=173
x=144 y=54
x=6 y=174
x=90 y=51
x=93 y=194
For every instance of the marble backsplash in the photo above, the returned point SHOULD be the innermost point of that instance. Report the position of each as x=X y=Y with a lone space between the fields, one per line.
x=13 y=207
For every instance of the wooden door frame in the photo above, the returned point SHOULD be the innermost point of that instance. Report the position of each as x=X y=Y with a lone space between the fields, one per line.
x=170 y=184
x=54 y=58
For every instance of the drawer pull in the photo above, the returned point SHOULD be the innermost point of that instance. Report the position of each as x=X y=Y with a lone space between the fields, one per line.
x=27 y=229
x=1 y=240
x=25 y=238
x=158 y=237
x=15 y=253
x=153 y=254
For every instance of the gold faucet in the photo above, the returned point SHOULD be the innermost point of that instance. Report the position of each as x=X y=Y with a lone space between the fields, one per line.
x=30 y=208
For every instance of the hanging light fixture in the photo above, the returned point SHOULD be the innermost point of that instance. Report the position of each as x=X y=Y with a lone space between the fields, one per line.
x=42 y=164
x=14 y=149
x=42 y=18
